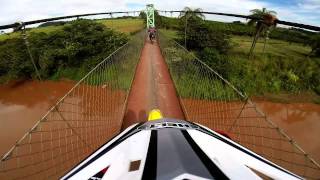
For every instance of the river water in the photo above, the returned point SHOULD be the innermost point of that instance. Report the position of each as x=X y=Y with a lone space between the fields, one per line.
x=22 y=104
x=301 y=121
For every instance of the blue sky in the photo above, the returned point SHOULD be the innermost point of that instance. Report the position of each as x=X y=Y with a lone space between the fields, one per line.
x=301 y=11
x=281 y=2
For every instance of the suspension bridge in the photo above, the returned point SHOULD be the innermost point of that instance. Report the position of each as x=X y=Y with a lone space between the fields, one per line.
x=102 y=104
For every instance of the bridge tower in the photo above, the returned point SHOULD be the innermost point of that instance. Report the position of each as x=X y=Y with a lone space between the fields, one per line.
x=150 y=15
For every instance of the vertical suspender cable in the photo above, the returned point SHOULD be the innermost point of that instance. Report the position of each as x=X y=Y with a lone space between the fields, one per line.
x=185 y=30
x=114 y=29
x=25 y=38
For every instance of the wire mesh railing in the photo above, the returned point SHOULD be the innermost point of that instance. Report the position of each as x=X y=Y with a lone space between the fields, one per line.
x=85 y=118
x=209 y=99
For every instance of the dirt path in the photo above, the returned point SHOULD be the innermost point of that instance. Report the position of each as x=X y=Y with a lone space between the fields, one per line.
x=152 y=88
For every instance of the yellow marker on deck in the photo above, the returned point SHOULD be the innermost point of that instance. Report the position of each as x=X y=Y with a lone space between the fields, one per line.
x=154 y=115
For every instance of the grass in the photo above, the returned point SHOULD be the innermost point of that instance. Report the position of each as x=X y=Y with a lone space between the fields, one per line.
x=35 y=30
x=275 y=47
x=191 y=78
x=72 y=73
x=170 y=34
x=122 y=25
x=242 y=44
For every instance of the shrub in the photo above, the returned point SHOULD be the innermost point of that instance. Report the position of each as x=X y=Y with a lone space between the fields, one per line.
x=315 y=45
x=217 y=61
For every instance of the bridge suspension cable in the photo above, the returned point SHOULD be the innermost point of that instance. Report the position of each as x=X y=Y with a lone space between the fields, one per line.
x=277 y=21
x=20 y=24
x=298 y=25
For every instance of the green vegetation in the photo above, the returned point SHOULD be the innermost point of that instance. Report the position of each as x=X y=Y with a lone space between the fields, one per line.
x=63 y=49
x=119 y=70
x=68 y=52
x=242 y=44
x=315 y=45
x=47 y=29
x=200 y=35
x=128 y=26
x=288 y=63
x=191 y=78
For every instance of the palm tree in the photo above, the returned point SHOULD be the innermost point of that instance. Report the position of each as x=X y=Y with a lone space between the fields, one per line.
x=258 y=13
x=188 y=13
x=263 y=20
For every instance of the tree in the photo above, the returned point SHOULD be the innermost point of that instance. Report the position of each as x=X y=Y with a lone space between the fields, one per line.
x=53 y=23
x=197 y=34
x=143 y=15
x=158 y=20
x=263 y=20
x=193 y=14
x=258 y=13
x=189 y=12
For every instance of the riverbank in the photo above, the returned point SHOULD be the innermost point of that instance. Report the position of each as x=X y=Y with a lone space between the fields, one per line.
x=303 y=97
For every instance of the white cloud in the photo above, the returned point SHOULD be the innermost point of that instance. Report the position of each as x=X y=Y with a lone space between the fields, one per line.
x=309 y=5
x=305 y=11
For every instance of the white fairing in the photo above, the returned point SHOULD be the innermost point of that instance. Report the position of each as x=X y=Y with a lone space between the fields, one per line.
x=133 y=149
x=233 y=162
x=117 y=159
x=177 y=152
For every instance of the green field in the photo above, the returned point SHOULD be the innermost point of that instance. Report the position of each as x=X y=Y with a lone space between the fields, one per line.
x=283 y=70
x=122 y=25
x=242 y=44
x=35 y=30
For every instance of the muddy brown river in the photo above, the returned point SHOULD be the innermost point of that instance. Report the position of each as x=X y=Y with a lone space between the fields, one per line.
x=22 y=104
x=301 y=121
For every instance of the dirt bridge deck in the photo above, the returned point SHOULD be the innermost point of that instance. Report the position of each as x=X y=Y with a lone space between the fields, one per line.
x=152 y=88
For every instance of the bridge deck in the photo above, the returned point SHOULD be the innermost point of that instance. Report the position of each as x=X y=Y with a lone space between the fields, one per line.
x=152 y=88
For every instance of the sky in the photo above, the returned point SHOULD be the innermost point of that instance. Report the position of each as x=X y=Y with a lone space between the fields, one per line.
x=301 y=11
